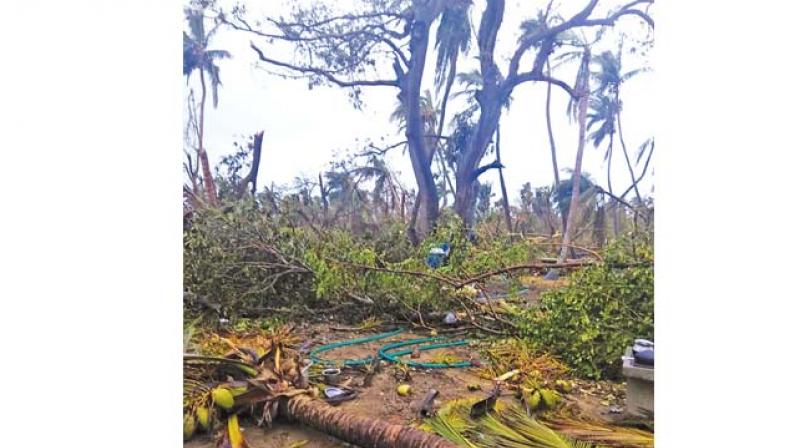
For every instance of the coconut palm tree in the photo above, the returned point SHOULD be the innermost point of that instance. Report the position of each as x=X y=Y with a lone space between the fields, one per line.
x=603 y=113
x=607 y=108
x=453 y=37
x=197 y=57
x=582 y=88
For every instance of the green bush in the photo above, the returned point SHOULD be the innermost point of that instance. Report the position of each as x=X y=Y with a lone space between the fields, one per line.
x=240 y=260
x=590 y=322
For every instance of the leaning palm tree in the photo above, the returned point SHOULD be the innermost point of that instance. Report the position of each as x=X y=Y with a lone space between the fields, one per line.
x=197 y=57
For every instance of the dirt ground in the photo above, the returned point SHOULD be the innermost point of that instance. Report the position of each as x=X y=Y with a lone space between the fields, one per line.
x=596 y=399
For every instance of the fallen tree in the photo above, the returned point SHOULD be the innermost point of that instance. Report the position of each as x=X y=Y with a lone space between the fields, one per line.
x=363 y=431
x=265 y=381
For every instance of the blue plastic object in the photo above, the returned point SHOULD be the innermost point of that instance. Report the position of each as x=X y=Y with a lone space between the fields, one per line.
x=438 y=255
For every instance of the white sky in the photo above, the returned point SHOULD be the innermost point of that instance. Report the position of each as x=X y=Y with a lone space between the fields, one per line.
x=305 y=128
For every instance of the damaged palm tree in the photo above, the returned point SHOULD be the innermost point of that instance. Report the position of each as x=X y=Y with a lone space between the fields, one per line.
x=266 y=382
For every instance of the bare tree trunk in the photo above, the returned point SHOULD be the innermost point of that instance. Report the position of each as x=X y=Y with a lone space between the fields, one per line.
x=191 y=171
x=451 y=76
x=363 y=431
x=503 y=191
x=252 y=176
x=208 y=179
x=615 y=214
x=644 y=170
x=468 y=173
x=625 y=151
x=491 y=97
x=324 y=196
x=576 y=174
x=403 y=206
x=420 y=155
x=549 y=121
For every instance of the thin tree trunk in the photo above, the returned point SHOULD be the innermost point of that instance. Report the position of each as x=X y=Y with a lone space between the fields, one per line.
x=451 y=76
x=625 y=151
x=549 y=121
x=208 y=180
x=576 y=174
x=644 y=170
x=403 y=206
x=503 y=191
x=363 y=431
x=324 y=196
x=191 y=170
x=445 y=173
x=615 y=214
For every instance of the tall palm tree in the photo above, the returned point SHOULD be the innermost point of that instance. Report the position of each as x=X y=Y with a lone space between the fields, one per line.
x=608 y=110
x=582 y=88
x=453 y=37
x=603 y=114
x=198 y=57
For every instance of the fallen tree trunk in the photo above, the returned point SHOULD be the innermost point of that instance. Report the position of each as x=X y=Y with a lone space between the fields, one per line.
x=363 y=431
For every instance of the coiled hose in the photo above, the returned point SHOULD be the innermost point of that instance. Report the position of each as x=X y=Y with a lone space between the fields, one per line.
x=384 y=352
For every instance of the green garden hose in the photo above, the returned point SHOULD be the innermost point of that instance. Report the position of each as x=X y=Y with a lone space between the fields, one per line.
x=393 y=357
x=384 y=351
x=349 y=362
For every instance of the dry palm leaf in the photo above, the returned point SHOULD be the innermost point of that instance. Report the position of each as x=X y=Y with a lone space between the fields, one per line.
x=598 y=432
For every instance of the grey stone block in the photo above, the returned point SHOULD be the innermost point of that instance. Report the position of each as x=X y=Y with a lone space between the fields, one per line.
x=639 y=391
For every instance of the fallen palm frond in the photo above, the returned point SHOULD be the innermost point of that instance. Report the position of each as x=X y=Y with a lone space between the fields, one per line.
x=506 y=427
x=266 y=380
x=508 y=354
x=243 y=378
x=597 y=432
x=542 y=283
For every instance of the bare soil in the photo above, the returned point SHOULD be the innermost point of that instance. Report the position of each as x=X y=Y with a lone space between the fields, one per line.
x=380 y=400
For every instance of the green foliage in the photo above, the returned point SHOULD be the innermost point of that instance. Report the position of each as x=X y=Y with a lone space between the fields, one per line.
x=240 y=260
x=605 y=307
x=346 y=268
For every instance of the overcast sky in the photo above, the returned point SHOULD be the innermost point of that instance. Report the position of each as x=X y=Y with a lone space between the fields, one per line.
x=303 y=128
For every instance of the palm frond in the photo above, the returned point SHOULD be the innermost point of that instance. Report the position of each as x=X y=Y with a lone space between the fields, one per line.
x=471 y=78
x=533 y=26
x=597 y=432
x=218 y=54
x=635 y=72
x=213 y=72
x=189 y=58
x=643 y=147
x=602 y=111
x=196 y=27
x=453 y=37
